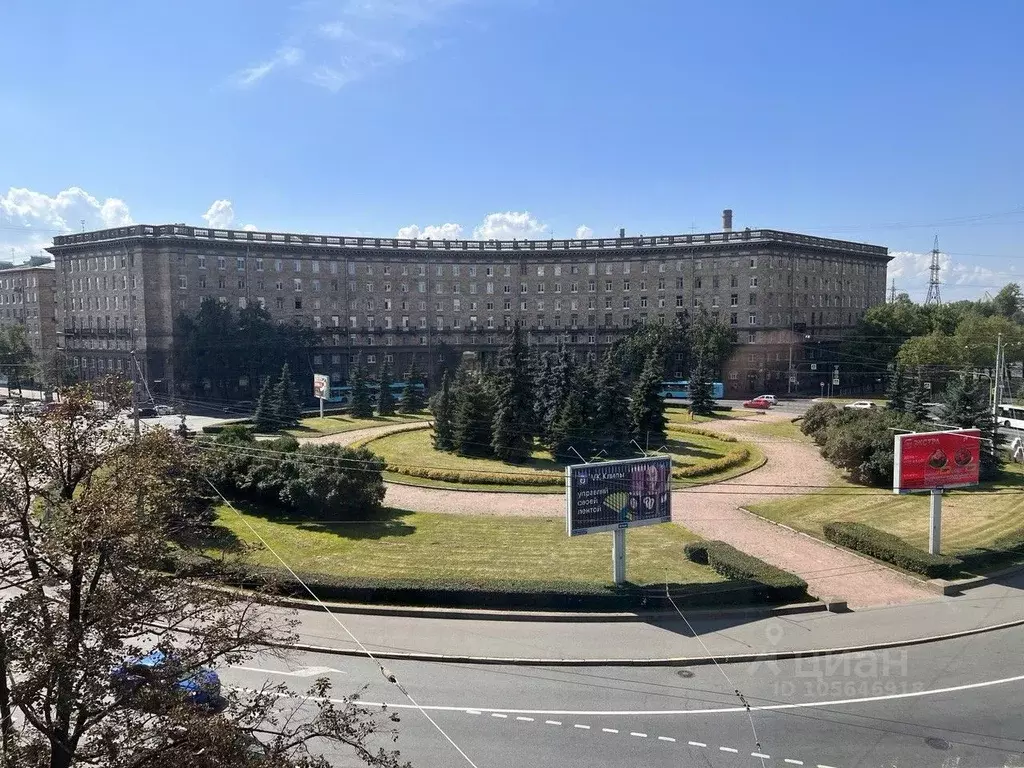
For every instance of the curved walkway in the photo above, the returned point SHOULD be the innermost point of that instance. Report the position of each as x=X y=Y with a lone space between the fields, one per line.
x=712 y=512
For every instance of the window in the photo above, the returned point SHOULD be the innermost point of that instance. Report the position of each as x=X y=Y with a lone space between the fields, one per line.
x=371 y=359
x=714 y=301
x=607 y=286
x=507 y=288
x=643 y=302
x=625 y=302
x=753 y=282
x=752 y=299
x=240 y=263
x=296 y=265
x=751 y=337
x=734 y=300
x=679 y=302
x=421 y=286
x=279 y=302
x=734 y=318
x=753 y=318
x=523 y=288
x=298 y=302
x=753 y=263
x=490 y=286
x=182 y=281
x=508 y=270
x=625 y=285
x=202 y=261
x=220 y=262
x=297 y=283
x=508 y=305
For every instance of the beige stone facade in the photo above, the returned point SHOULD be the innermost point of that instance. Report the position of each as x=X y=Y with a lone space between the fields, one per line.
x=27 y=298
x=382 y=298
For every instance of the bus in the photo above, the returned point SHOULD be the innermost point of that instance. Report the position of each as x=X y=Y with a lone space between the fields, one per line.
x=343 y=395
x=1011 y=416
x=680 y=390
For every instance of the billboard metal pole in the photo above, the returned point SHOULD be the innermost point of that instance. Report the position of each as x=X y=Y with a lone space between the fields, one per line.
x=935 y=526
x=619 y=555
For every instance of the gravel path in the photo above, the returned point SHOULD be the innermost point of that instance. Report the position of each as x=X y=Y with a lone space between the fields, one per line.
x=713 y=512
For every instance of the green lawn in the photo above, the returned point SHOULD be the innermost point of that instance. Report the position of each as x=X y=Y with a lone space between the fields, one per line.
x=969 y=519
x=542 y=474
x=332 y=425
x=783 y=430
x=471 y=549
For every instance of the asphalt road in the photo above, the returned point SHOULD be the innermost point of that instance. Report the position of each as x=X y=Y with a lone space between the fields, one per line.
x=955 y=703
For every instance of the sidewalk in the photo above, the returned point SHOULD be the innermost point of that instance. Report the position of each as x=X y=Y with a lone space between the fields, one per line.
x=670 y=639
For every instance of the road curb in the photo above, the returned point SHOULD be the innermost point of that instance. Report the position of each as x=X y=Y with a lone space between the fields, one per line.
x=676 y=661
x=484 y=614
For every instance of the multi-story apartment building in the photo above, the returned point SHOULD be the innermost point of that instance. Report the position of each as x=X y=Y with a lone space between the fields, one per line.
x=378 y=299
x=27 y=298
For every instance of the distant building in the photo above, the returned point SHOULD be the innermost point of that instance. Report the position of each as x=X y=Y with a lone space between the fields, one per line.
x=388 y=299
x=28 y=298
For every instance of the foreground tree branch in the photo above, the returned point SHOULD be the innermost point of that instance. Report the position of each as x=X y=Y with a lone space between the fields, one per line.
x=88 y=517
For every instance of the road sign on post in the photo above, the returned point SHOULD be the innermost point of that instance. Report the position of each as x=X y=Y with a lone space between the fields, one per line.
x=616 y=495
x=321 y=389
x=934 y=461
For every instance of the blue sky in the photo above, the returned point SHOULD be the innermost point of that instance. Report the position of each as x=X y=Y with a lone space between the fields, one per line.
x=887 y=122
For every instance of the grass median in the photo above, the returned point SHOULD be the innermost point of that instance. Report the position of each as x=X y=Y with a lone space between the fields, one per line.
x=411 y=459
x=314 y=426
x=478 y=551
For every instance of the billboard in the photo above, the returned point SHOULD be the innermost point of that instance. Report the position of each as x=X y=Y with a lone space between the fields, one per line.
x=618 y=494
x=321 y=386
x=927 y=460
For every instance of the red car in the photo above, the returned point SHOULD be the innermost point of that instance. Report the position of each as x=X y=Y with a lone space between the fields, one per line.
x=758 y=404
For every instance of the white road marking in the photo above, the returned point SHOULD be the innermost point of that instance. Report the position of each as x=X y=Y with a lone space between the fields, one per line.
x=710 y=711
x=304 y=672
x=729 y=749
x=498 y=714
x=825 y=766
x=665 y=738
x=641 y=735
x=473 y=712
x=696 y=743
x=582 y=727
x=793 y=762
x=527 y=719
x=610 y=730
x=762 y=755
x=553 y=722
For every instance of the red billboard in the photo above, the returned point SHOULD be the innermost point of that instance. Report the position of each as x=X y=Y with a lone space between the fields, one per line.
x=927 y=460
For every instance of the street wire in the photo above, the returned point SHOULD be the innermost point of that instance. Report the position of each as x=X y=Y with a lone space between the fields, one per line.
x=388 y=675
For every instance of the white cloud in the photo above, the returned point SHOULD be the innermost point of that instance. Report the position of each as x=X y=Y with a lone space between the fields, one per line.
x=284 y=58
x=509 y=225
x=220 y=214
x=958 y=280
x=583 y=232
x=431 y=232
x=63 y=212
x=250 y=228
x=344 y=41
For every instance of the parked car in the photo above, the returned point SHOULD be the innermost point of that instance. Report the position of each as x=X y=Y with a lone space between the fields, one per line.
x=138 y=679
x=861 y=405
x=164 y=410
x=770 y=398
x=758 y=404
x=147 y=413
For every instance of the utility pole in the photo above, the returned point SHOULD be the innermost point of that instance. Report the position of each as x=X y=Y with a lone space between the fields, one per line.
x=789 y=385
x=892 y=292
x=996 y=392
x=933 y=281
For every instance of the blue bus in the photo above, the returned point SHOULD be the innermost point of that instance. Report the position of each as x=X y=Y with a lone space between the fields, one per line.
x=343 y=395
x=680 y=390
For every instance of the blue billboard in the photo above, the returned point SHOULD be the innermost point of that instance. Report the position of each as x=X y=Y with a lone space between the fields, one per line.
x=609 y=495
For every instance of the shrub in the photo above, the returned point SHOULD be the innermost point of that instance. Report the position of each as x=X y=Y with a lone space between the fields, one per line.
x=730 y=460
x=861 y=442
x=818 y=418
x=891 y=549
x=773 y=584
x=701 y=431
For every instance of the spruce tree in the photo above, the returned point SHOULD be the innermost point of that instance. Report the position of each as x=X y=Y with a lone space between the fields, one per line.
x=513 y=396
x=287 y=411
x=386 y=399
x=917 y=397
x=442 y=407
x=473 y=414
x=701 y=400
x=554 y=391
x=897 y=391
x=647 y=409
x=965 y=405
x=543 y=394
x=411 y=400
x=611 y=407
x=568 y=431
x=360 y=407
x=265 y=419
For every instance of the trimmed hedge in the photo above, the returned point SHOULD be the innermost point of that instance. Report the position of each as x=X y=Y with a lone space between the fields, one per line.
x=772 y=584
x=525 y=595
x=478 y=478
x=216 y=429
x=700 y=431
x=891 y=549
x=730 y=460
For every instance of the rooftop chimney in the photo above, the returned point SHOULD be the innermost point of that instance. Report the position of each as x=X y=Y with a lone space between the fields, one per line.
x=727 y=220
x=622 y=232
